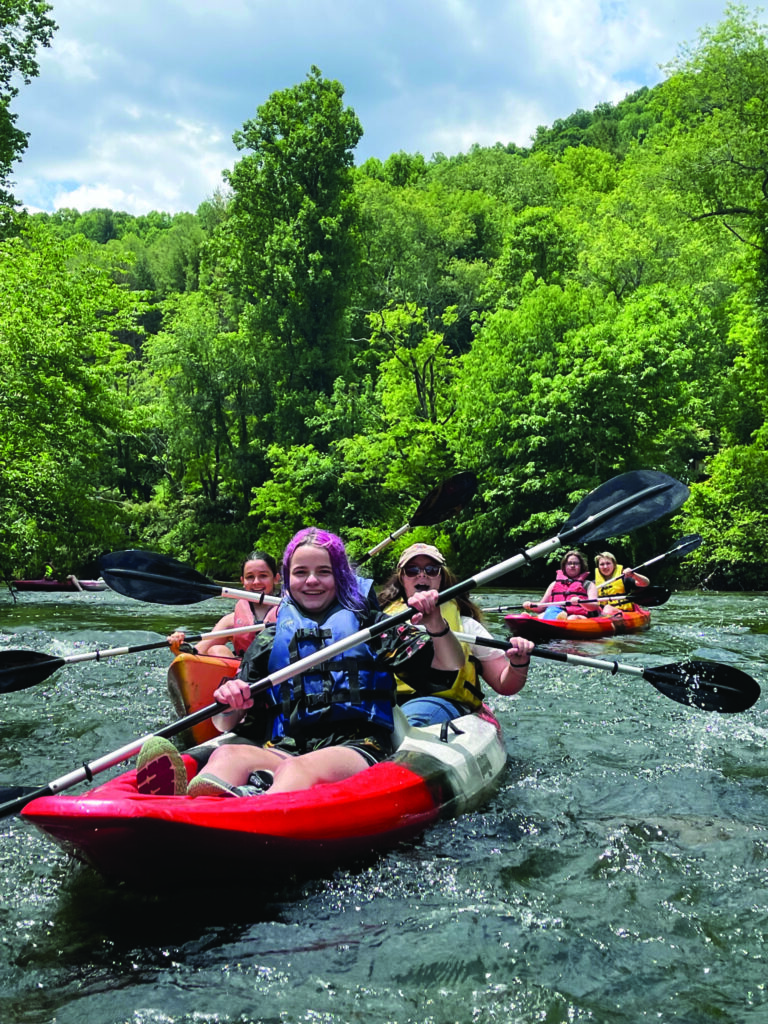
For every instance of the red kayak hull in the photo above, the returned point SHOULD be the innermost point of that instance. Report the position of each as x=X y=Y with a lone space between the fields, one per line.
x=536 y=629
x=57 y=586
x=152 y=841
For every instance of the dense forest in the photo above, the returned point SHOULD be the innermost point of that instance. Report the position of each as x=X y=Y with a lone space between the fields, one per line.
x=322 y=342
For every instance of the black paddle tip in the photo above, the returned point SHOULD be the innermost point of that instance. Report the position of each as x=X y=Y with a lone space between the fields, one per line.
x=623 y=504
x=707 y=685
x=154 y=578
x=21 y=669
x=448 y=498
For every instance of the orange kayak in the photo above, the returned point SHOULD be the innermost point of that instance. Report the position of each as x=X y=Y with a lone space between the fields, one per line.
x=536 y=629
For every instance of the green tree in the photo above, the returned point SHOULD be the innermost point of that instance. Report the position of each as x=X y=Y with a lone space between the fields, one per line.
x=574 y=388
x=729 y=510
x=199 y=374
x=288 y=248
x=428 y=246
x=62 y=397
x=24 y=27
x=403 y=443
x=713 y=112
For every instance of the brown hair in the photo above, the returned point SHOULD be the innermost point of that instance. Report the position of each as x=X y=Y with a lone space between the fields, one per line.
x=392 y=590
x=581 y=557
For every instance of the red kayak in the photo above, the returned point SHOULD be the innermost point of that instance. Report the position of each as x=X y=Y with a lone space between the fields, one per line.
x=71 y=585
x=153 y=841
x=537 y=629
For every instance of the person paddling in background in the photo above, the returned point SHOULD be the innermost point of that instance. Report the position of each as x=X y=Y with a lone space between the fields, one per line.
x=329 y=722
x=443 y=696
x=610 y=581
x=571 y=595
x=258 y=575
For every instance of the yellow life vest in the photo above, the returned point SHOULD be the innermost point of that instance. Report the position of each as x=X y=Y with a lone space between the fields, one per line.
x=615 y=586
x=465 y=687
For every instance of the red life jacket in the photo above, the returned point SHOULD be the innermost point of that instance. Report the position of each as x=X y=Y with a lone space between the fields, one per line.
x=567 y=589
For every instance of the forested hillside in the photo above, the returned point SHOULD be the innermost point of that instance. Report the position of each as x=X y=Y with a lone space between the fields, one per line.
x=323 y=342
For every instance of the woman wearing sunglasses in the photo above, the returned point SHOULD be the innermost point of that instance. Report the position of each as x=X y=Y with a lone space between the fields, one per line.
x=446 y=695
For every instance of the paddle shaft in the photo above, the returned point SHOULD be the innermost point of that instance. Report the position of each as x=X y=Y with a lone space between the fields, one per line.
x=683 y=547
x=601 y=519
x=577 y=659
x=385 y=543
x=647 y=597
x=544 y=652
x=190 y=638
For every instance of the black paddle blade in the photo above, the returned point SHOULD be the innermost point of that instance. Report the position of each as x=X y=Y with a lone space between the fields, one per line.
x=21 y=669
x=665 y=494
x=445 y=500
x=158 y=579
x=685 y=545
x=706 y=685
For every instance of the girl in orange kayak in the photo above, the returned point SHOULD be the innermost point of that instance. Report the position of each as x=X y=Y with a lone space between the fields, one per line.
x=571 y=595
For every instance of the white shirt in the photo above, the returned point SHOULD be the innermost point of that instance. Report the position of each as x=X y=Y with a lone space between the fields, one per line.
x=470 y=625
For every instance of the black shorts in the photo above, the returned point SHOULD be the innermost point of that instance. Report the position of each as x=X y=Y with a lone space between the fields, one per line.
x=373 y=744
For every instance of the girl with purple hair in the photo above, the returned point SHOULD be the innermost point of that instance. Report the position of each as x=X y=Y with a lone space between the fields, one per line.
x=335 y=719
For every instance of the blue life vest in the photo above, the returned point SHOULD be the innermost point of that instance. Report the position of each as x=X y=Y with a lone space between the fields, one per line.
x=348 y=689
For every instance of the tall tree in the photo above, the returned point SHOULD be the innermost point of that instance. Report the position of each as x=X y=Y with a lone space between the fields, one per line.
x=290 y=244
x=714 y=139
x=714 y=127
x=62 y=400
x=24 y=26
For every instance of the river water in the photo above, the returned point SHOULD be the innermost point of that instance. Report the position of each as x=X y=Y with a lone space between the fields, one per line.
x=619 y=875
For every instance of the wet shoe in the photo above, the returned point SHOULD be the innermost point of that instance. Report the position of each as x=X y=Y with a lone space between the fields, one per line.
x=206 y=784
x=160 y=770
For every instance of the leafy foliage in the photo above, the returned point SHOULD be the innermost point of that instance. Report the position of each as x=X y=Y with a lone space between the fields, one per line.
x=24 y=27
x=324 y=343
x=61 y=397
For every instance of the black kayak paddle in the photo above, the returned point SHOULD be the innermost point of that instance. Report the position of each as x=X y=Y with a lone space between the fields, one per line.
x=698 y=684
x=448 y=498
x=159 y=579
x=646 y=597
x=21 y=669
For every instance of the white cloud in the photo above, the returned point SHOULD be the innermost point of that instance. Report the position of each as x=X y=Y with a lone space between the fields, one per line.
x=136 y=103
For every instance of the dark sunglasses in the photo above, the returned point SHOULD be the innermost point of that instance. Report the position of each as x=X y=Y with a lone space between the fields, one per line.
x=417 y=570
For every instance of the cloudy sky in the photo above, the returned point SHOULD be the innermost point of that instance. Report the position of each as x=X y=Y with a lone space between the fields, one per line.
x=136 y=102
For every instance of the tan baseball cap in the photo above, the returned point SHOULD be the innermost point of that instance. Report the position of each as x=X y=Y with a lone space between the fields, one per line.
x=420 y=549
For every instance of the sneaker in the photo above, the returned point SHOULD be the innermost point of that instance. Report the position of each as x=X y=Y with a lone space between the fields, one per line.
x=160 y=770
x=206 y=784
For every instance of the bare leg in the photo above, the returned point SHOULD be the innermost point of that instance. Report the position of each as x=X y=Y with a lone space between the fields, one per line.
x=331 y=764
x=610 y=611
x=234 y=762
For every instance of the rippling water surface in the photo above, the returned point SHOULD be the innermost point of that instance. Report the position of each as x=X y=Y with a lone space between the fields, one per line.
x=619 y=875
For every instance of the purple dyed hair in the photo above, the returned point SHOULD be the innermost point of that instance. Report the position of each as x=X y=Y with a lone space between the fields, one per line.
x=347 y=591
